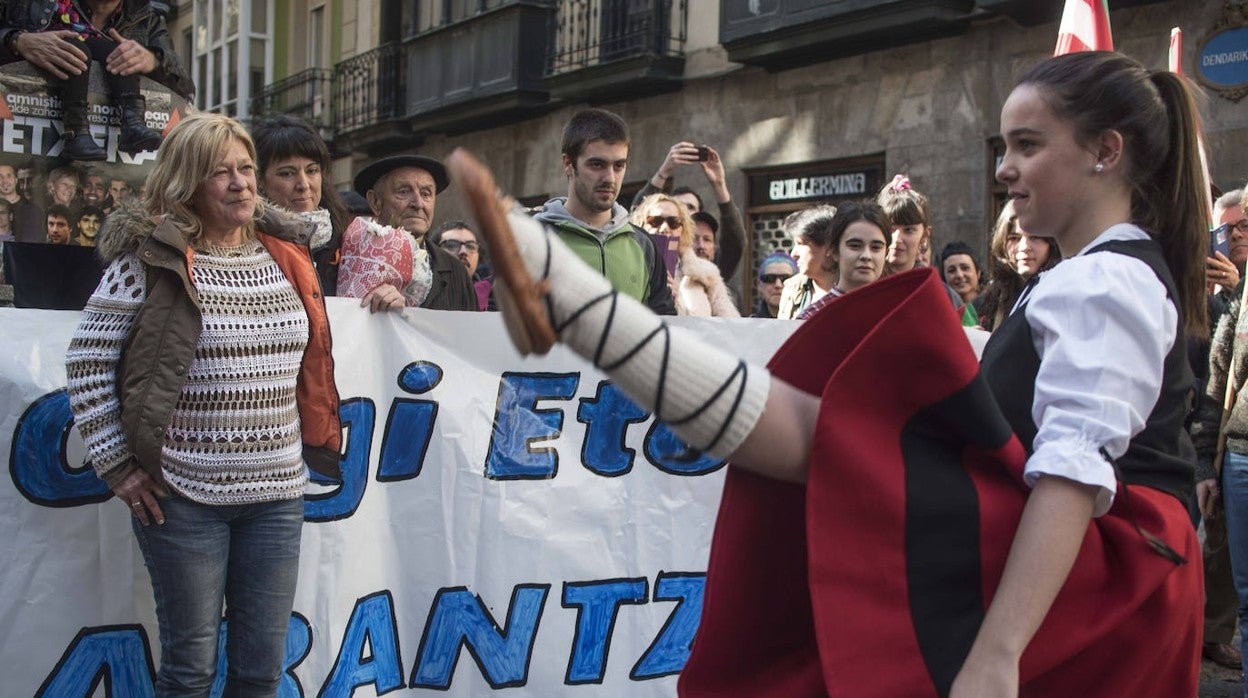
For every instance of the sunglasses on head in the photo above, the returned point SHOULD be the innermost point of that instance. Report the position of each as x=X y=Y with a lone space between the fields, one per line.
x=673 y=222
x=773 y=278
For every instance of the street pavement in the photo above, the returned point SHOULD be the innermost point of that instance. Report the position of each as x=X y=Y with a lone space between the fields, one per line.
x=1218 y=682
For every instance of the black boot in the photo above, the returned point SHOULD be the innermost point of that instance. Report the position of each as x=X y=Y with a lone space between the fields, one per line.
x=79 y=145
x=136 y=137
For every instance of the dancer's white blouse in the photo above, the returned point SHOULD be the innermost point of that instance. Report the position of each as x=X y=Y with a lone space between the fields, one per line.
x=1102 y=325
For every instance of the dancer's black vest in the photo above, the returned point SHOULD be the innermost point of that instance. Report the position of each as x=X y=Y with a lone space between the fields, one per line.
x=1162 y=455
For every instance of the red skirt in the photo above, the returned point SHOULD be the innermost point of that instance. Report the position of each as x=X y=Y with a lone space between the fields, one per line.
x=872 y=580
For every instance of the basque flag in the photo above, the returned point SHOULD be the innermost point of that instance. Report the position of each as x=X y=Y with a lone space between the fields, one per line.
x=1085 y=27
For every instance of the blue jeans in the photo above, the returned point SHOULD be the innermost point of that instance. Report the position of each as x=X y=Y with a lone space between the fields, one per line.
x=245 y=556
x=1235 y=499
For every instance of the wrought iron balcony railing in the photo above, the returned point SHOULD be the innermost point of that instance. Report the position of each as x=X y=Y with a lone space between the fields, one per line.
x=305 y=94
x=369 y=88
x=590 y=33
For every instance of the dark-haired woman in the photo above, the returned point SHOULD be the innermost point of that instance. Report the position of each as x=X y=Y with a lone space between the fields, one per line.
x=294 y=165
x=1010 y=267
x=858 y=245
x=810 y=230
x=960 y=271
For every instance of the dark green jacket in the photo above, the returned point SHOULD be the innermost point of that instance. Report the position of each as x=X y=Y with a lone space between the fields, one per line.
x=625 y=255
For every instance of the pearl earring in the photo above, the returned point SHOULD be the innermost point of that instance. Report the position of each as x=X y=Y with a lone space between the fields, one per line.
x=1100 y=167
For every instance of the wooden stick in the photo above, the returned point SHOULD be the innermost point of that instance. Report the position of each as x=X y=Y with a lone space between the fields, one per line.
x=521 y=298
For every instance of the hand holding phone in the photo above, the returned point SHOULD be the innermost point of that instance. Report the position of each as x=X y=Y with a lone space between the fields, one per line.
x=1220 y=240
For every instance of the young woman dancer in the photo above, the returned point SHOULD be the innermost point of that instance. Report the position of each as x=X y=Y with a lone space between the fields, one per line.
x=1081 y=583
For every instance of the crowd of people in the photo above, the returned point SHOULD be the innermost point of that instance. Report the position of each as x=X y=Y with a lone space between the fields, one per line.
x=1092 y=294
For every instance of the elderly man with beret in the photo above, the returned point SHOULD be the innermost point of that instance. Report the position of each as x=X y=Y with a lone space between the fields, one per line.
x=402 y=191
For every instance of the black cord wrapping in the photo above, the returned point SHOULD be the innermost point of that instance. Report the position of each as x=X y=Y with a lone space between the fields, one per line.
x=662 y=330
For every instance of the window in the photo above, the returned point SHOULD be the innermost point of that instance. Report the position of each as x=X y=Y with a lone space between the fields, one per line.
x=316 y=37
x=230 y=47
x=998 y=193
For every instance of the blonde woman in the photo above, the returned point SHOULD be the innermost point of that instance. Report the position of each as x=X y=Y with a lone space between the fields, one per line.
x=696 y=284
x=206 y=424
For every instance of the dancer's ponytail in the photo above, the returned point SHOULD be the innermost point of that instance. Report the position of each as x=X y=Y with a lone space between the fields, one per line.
x=1179 y=209
x=1156 y=115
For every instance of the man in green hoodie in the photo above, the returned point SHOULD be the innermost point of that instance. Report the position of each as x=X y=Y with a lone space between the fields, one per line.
x=593 y=224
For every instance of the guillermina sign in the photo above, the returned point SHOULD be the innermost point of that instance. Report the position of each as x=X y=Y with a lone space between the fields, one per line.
x=1222 y=58
x=816 y=187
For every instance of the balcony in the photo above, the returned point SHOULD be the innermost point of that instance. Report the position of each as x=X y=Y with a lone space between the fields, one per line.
x=305 y=94
x=370 y=102
x=609 y=50
x=479 y=71
x=778 y=34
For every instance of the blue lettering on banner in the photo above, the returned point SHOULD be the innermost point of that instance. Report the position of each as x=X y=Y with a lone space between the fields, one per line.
x=598 y=604
x=373 y=625
x=518 y=423
x=358 y=416
x=409 y=428
x=671 y=455
x=39 y=469
x=298 y=645
x=118 y=655
x=38 y=463
x=606 y=417
x=459 y=618
x=670 y=650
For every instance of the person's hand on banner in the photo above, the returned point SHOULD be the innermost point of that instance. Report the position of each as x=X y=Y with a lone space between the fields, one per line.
x=53 y=52
x=384 y=297
x=139 y=492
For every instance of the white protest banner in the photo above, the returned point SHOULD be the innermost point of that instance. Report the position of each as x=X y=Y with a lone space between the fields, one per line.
x=502 y=523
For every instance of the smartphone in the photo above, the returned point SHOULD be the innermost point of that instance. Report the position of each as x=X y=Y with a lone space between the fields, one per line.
x=1220 y=240
x=704 y=153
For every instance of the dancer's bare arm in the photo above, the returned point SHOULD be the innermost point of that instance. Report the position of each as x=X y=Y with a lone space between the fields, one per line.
x=779 y=446
x=1048 y=539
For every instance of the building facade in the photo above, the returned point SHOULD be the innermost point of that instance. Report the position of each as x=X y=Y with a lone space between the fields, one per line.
x=806 y=101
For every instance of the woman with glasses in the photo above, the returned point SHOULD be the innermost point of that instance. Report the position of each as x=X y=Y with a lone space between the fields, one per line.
x=777 y=268
x=696 y=284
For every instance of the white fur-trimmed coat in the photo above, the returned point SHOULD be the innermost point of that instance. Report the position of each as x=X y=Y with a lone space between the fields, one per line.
x=700 y=290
